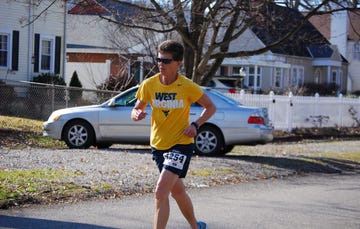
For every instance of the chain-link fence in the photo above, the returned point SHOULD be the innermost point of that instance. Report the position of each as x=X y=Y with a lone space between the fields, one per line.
x=37 y=101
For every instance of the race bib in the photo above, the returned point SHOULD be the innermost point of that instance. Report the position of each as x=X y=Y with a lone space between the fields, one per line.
x=175 y=159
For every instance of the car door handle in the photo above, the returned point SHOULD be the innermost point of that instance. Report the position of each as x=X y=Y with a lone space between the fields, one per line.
x=192 y=113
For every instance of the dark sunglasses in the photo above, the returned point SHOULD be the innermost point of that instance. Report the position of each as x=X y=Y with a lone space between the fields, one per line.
x=164 y=60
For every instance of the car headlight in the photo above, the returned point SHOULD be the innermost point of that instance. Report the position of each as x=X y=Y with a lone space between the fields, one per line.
x=55 y=118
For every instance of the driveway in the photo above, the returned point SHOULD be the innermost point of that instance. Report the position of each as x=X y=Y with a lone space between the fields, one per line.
x=322 y=201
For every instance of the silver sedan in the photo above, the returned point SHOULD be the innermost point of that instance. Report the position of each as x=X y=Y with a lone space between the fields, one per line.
x=109 y=123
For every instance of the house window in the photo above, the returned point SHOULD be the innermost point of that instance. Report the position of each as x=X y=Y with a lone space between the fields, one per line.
x=277 y=79
x=47 y=45
x=333 y=77
x=297 y=76
x=4 y=50
x=336 y=77
x=223 y=71
x=356 y=51
x=317 y=78
x=251 y=76
x=236 y=71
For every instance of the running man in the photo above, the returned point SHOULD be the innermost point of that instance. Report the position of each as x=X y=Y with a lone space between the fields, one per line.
x=170 y=96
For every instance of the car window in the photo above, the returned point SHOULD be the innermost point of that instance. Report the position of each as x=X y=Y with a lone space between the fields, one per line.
x=126 y=99
x=195 y=105
x=211 y=84
x=220 y=96
x=224 y=98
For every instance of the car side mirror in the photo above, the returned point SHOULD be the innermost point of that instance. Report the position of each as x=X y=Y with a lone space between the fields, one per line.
x=112 y=103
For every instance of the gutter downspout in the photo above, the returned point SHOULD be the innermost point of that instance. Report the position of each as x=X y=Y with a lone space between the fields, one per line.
x=64 y=42
x=30 y=41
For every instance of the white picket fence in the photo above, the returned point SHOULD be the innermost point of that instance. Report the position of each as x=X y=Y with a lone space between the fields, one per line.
x=289 y=112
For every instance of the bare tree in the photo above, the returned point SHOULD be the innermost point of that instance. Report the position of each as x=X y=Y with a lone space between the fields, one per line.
x=139 y=41
x=208 y=28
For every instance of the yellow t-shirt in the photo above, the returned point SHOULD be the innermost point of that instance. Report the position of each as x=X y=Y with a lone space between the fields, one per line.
x=170 y=106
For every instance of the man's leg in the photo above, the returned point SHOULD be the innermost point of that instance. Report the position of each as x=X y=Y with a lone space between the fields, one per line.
x=183 y=200
x=164 y=185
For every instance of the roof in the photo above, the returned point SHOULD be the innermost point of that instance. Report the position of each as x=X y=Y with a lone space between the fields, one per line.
x=323 y=24
x=320 y=51
x=276 y=21
x=80 y=46
x=88 y=7
x=121 y=12
x=354 y=29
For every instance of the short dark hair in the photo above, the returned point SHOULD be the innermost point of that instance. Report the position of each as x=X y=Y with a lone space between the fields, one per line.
x=173 y=47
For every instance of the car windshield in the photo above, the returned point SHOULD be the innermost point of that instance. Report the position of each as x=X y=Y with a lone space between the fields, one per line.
x=127 y=98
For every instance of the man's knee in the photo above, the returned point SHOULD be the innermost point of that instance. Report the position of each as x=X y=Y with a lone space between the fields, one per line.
x=178 y=192
x=161 y=194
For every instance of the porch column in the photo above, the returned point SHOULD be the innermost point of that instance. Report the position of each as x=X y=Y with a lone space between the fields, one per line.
x=328 y=74
x=255 y=78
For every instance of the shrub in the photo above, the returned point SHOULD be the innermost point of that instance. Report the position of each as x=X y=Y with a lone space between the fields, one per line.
x=75 y=82
x=310 y=89
x=39 y=96
x=49 y=78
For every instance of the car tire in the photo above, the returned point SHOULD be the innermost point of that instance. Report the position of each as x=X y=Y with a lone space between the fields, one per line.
x=78 y=134
x=228 y=148
x=209 y=141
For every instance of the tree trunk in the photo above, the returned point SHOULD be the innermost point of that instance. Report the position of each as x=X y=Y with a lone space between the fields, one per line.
x=188 y=60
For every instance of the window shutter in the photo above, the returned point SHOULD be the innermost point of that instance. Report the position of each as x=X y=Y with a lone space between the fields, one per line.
x=15 y=51
x=36 y=52
x=57 y=55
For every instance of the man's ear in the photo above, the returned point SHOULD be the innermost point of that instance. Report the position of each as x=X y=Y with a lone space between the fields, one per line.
x=179 y=63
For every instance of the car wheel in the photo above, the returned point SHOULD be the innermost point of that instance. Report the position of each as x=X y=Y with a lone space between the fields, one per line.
x=209 y=141
x=228 y=148
x=78 y=135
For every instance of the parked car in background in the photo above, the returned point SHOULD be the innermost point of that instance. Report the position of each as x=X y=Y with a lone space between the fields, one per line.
x=225 y=84
x=110 y=123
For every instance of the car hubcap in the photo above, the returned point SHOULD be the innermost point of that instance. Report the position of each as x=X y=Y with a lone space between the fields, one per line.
x=77 y=135
x=206 y=141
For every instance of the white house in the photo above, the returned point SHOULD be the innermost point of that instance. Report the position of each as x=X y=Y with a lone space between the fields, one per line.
x=342 y=29
x=345 y=27
x=32 y=38
x=306 y=57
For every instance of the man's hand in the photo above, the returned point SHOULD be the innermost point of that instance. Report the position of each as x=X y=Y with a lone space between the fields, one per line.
x=138 y=114
x=190 y=131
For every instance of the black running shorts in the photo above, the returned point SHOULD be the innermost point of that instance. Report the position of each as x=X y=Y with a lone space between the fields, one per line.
x=176 y=159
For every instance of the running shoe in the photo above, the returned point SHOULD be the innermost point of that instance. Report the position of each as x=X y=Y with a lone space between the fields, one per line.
x=202 y=225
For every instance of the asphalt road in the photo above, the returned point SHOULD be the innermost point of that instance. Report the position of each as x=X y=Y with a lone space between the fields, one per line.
x=321 y=201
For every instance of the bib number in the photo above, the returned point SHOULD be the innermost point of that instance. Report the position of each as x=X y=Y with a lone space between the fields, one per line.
x=175 y=159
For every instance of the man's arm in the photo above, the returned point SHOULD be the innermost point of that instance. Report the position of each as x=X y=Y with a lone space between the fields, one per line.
x=138 y=112
x=209 y=110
